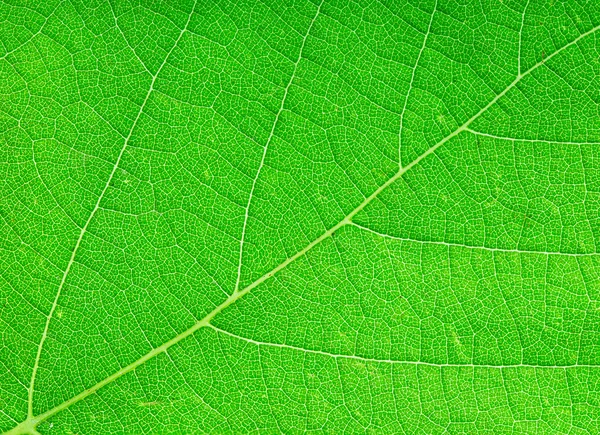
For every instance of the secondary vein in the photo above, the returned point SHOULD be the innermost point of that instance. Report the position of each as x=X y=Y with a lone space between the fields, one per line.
x=482 y=248
x=266 y=147
x=400 y=362
x=410 y=85
x=87 y=223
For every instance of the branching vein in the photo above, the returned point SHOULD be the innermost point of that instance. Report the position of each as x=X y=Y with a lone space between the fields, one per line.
x=482 y=248
x=87 y=223
x=266 y=147
x=516 y=139
x=392 y=361
x=410 y=85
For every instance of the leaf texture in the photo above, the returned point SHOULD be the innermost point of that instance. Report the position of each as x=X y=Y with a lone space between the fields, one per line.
x=300 y=217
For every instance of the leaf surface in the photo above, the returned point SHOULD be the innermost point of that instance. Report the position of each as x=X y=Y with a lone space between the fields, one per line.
x=368 y=217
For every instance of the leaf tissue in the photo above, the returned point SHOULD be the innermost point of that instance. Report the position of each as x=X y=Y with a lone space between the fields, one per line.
x=300 y=216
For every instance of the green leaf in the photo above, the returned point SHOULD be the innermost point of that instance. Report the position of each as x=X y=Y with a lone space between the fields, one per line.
x=262 y=217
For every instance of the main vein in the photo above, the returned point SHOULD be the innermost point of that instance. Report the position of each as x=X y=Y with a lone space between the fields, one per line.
x=91 y=216
x=31 y=422
x=266 y=147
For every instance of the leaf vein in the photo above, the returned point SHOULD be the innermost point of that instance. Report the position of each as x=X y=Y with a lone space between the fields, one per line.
x=266 y=147
x=483 y=248
x=399 y=362
x=85 y=227
x=410 y=85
